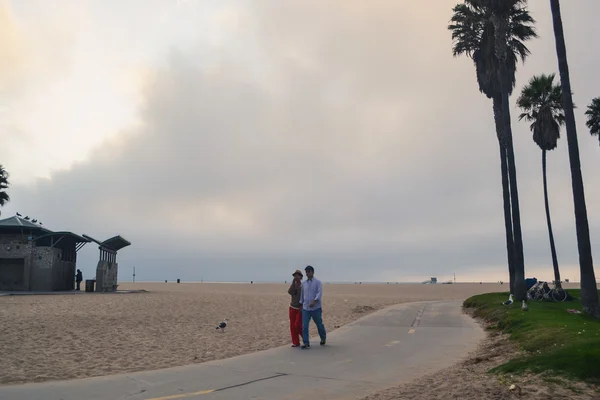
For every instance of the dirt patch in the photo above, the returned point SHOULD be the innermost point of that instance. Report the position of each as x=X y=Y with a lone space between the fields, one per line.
x=470 y=380
x=363 y=309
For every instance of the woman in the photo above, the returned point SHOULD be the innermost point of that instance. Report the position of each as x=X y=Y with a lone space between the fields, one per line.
x=296 y=308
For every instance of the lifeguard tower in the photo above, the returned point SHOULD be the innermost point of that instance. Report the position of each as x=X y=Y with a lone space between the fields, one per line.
x=107 y=269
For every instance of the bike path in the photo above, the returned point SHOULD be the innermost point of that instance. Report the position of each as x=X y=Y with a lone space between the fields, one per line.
x=383 y=349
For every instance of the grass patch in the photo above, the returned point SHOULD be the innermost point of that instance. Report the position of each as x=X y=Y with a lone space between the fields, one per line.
x=557 y=342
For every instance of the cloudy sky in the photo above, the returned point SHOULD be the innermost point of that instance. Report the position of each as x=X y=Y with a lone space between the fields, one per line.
x=242 y=139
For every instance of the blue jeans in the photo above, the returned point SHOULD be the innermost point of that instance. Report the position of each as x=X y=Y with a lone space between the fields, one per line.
x=316 y=315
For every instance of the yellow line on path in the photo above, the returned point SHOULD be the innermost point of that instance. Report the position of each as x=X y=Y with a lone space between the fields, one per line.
x=181 y=396
x=411 y=330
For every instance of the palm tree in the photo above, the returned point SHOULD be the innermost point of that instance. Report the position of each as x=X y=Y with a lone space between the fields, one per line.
x=474 y=32
x=589 y=290
x=3 y=186
x=541 y=102
x=593 y=117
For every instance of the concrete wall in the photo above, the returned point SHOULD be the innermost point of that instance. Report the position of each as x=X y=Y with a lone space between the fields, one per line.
x=106 y=276
x=43 y=267
x=43 y=275
x=16 y=247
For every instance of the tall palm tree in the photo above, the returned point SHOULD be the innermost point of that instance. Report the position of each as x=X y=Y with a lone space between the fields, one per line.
x=541 y=102
x=593 y=117
x=474 y=32
x=3 y=186
x=589 y=290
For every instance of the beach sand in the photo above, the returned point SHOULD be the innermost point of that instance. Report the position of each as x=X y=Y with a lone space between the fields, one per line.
x=50 y=337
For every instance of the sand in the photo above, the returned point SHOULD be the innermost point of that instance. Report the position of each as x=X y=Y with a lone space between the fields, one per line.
x=51 y=337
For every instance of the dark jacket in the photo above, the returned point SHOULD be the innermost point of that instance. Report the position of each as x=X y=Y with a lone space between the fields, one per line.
x=295 y=293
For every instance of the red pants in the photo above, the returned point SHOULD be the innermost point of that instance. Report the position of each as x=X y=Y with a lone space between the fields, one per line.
x=296 y=325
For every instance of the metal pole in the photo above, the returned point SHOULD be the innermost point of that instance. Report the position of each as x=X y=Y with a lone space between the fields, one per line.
x=134 y=274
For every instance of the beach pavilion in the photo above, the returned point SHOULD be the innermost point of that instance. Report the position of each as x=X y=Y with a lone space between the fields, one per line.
x=33 y=258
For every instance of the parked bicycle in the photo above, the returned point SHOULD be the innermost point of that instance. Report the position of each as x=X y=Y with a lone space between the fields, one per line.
x=541 y=291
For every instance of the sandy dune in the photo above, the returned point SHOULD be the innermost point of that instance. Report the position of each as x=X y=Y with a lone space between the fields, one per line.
x=73 y=336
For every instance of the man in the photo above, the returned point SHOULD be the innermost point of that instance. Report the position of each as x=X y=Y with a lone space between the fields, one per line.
x=78 y=279
x=295 y=291
x=310 y=299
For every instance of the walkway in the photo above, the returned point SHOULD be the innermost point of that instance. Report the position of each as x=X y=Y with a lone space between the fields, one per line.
x=383 y=349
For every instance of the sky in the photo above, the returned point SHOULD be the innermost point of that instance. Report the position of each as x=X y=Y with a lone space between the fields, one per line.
x=237 y=140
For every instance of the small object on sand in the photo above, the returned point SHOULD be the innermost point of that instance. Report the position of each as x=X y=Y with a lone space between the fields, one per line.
x=222 y=325
x=515 y=388
x=524 y=306
x=509 y=301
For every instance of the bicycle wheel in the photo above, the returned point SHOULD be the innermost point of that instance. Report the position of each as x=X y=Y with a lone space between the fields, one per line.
x=559 y=294
x=537 y=295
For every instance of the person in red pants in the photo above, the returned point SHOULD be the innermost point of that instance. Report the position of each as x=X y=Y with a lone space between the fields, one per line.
x=296 y=308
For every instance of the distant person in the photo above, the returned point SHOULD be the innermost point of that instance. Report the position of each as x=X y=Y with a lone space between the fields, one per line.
x=295 y=291
x=310 y=298
x=78 y=279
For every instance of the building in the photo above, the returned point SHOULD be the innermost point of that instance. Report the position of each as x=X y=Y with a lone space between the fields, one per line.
x=33 y=258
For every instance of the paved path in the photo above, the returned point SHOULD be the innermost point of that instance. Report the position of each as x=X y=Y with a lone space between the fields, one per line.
x=383 y=349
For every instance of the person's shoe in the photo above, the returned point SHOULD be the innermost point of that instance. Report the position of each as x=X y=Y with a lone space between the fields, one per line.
x=305 y=346
x=322 y=342
x=295 y=345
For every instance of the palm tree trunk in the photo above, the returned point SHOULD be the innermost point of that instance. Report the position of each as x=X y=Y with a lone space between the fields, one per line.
x=589 y=290
x=510 y=244
x=520 y=290
x=500 y=29
x=550 y=234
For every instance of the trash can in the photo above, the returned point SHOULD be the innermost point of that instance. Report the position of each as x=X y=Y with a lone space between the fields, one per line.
x=89 y=285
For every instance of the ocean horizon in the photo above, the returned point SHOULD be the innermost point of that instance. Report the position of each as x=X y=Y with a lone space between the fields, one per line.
x=284 y=281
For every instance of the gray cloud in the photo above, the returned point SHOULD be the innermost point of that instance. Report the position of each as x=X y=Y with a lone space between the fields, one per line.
x=344 y=137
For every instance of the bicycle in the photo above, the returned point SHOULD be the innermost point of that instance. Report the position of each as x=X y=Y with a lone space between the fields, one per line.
x=536 y=292
x=541 y=291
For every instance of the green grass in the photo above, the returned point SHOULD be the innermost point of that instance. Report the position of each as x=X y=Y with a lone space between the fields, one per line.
x=557 y=342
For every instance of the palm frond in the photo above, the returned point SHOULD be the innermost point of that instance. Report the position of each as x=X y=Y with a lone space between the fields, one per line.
x=4 y=198
x=546 y=130
x=541 y=102
x=473 y=36
x=593 y=117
